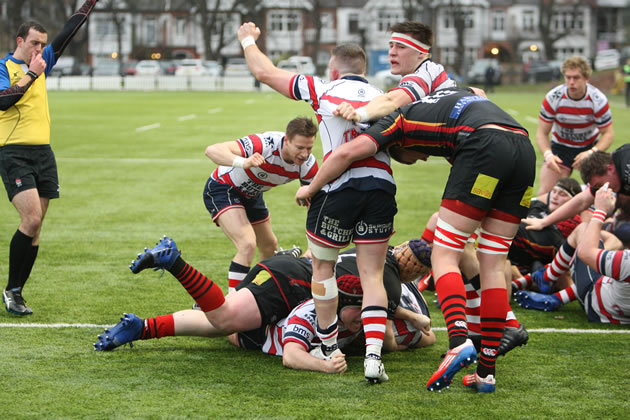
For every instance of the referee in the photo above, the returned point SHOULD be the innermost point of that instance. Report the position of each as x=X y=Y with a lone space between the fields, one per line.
x=27 y=163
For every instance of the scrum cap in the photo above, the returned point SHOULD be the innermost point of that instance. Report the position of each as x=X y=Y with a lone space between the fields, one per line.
x=414 y=259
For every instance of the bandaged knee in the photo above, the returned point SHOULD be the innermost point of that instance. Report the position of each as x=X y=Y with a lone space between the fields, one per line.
x=330 y=289
x=322 y=253
x=491 y=243
x=449 y=237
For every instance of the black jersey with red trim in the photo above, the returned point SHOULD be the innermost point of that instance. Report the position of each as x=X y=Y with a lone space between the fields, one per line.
x=436 y=124
x=621 y=159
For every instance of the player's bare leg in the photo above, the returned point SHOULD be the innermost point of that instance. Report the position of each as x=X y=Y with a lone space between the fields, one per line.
x=239 y=230
x=266 y=240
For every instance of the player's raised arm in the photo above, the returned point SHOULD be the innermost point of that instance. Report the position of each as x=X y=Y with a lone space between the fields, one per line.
x=377 y=108
x=259 y=64
x=61 y=41
x=229 y=154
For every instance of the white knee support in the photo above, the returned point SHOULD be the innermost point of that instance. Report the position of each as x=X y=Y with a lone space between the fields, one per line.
x=322 y=253
x=491 y=243
x=330 y=289
x=449 y=237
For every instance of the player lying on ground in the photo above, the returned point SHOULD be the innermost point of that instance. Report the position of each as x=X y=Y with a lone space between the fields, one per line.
x=271 y=290
x=600 y=272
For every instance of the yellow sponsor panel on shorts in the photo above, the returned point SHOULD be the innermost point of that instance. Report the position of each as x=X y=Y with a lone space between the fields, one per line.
x=261 y=277
x=484 y=186
x=527 y=197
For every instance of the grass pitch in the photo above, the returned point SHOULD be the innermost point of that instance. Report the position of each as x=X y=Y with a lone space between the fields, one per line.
x=132 y=168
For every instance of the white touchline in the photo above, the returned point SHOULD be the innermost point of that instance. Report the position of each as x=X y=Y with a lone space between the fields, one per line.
x=534 y=330
x=148 y=127
x=512 y=111
x=214 y=110
x=187 y=117
x=531 y=119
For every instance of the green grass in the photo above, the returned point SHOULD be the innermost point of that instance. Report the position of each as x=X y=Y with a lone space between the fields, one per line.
x=122 y=190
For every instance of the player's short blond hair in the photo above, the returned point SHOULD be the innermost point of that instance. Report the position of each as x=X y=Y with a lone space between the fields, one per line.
x=577 y=62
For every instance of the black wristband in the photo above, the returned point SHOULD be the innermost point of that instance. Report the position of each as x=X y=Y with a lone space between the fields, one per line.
x=32 y=74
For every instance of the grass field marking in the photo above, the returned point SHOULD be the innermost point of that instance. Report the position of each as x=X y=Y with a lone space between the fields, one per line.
x=533 y=330
x=531 y=119
x=187 y=117
x=512 y=111
x=148 y=127
x=214 y=110
x=250 y=101
x=150 y=161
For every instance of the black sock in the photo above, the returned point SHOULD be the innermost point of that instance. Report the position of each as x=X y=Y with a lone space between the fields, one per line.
x=29 y=261
x=18 y=254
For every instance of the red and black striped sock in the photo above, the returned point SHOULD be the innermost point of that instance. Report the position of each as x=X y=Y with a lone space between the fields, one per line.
x=452 y=296
x=204 y=291
x=158 y=327
x=493 y=312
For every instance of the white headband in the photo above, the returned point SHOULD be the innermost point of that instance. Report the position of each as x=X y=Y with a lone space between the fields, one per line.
x=410 y=42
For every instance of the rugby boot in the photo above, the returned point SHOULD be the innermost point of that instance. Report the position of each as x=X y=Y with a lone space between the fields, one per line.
x=539 y=301
x=296 y=251
x=512 y=337
x=454 y=360
x=486 y=384
x=129 y=329
x=14 y=302
x=544 y=286
x=374 y=369
x=161 y=256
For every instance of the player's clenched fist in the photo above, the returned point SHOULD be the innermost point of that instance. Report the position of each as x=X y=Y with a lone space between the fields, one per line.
x=248 y=29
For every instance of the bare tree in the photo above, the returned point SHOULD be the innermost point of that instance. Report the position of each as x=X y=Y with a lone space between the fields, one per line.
x=547 y=10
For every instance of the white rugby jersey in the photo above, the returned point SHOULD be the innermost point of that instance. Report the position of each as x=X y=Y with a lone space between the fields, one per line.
x=404 y=331
x=427 y=78
x=299 y=327
x=576 y=123
x=275 y=171
x=324 y=97
x=610 y=297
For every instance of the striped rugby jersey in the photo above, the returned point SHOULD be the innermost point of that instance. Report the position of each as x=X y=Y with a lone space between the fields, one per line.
x=610 y=297
x=404 y=331
x=299 y=327
x=576 y=123
x=275 y=171
x=324 y=97
x=427 y=78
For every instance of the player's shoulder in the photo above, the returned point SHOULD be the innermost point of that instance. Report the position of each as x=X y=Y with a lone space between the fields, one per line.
x=556 y=93
x=597 y=96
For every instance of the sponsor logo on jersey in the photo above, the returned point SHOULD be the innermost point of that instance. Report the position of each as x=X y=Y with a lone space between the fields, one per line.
x=526 y=201
x=18 y=182
x=261 y=277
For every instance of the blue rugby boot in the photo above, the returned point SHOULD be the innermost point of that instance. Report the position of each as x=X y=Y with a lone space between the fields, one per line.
x=127 y=330
x=161 y=256
x=544 y=286
x=486 y=384
x=533 y=300
x=454 y=360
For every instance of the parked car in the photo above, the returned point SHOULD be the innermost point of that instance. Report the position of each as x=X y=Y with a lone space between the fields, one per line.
x=148 y=68
x=169 y=66
x=190 y=67
x=303 y=64
x=541 y=71
x=130 y=67
x=66 y=66
x=236 y=66
x=106 y=68
x=477 y=72
x=385 y=79
x=607 y=59
x=288 y=65
x=213 y=68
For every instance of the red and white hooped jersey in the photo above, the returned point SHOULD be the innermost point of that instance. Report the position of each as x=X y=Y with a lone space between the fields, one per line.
x=299 y=327
x=404 y=331
x=610 y=297
x=427 y=78
x=275 y=171
x=576 y=123
x=324 y=97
